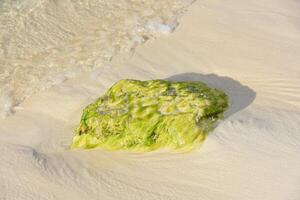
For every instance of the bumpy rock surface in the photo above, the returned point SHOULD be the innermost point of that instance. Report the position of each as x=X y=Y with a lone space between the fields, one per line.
x=147 y=115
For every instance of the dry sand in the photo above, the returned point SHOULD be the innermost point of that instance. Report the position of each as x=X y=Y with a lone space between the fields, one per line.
x=251 y=49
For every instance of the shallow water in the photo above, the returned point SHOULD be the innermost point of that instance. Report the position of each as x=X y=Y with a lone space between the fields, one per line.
x=43 y=43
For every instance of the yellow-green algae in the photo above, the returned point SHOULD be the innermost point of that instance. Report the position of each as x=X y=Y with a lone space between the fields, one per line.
x=147 y=115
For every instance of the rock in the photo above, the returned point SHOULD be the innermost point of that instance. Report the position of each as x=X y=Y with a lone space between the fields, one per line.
x=147 y=115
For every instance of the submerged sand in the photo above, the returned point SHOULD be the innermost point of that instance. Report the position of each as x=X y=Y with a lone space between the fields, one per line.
x=249 y=49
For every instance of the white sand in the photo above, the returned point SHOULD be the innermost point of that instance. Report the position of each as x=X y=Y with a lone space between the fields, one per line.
x=251 y=49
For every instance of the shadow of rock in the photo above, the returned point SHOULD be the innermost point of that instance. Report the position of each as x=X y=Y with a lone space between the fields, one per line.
x=240 y=95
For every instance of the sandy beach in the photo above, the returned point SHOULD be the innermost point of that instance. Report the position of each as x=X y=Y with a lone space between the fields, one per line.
x=248 y=49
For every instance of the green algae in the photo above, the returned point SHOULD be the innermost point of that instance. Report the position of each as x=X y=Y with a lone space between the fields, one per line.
x=147 y=115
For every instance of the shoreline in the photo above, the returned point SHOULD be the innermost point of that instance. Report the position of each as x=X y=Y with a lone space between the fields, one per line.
x=252 y=154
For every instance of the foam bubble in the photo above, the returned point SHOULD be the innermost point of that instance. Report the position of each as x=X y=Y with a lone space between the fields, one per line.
x=6 y=105
x=160 y=28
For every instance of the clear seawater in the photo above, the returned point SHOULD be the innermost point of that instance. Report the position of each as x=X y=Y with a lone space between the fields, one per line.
x=44 y=42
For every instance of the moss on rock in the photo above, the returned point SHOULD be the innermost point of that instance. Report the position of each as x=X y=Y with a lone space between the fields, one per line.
x=147 y=115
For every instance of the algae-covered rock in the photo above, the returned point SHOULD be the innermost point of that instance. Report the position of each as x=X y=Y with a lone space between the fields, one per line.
x=147 y=115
